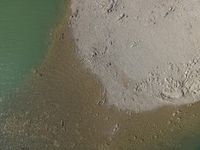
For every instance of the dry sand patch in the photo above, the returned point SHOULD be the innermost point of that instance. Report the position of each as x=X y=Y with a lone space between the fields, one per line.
x=146 y=53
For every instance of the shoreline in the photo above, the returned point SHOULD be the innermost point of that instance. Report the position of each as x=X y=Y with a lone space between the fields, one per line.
x=24 y=39
x=152 y=127
x=62 y=108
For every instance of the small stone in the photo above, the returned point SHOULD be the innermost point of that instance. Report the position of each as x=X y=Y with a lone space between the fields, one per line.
x=178 y=112
x=97 y=114
x=62 y=123
x=179 y=119
x=194 y=115
x=101 y=102
x=135 y=137
x=121 y=16
x=116 y=128
x=134 y=44
x=169 y=122
x=174 y=114
x=40 y=74
x=155 y=136
x=142 y=140
x=109 y=64
x=107 y=118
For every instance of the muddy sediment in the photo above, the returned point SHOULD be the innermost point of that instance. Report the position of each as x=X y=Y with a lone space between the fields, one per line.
x=63 y=108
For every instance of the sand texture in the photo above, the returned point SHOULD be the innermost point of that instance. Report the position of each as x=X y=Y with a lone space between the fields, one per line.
x=145 y=53
x=61 y=108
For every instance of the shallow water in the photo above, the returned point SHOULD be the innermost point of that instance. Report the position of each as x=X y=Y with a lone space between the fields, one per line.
x=24 y=34
x=62 y=109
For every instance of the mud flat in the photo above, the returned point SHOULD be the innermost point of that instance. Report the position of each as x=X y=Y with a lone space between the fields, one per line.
x=146 y=54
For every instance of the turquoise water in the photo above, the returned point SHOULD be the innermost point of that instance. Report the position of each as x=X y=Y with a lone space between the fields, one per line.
x=24 y=30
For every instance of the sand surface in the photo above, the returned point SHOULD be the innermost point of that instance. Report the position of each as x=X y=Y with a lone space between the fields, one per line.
x=59 y=109
x=145 y=53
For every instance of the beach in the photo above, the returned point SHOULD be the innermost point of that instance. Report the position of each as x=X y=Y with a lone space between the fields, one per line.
x=65 y=104
x=146 y=54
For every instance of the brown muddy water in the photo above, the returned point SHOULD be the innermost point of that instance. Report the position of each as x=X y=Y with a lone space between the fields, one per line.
x=62 y=108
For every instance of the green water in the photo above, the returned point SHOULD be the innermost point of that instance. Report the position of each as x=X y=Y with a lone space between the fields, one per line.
x=24 y=39
x=24 y=30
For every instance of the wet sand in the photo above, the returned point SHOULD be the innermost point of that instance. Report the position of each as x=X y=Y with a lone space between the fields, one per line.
x=62 y=108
